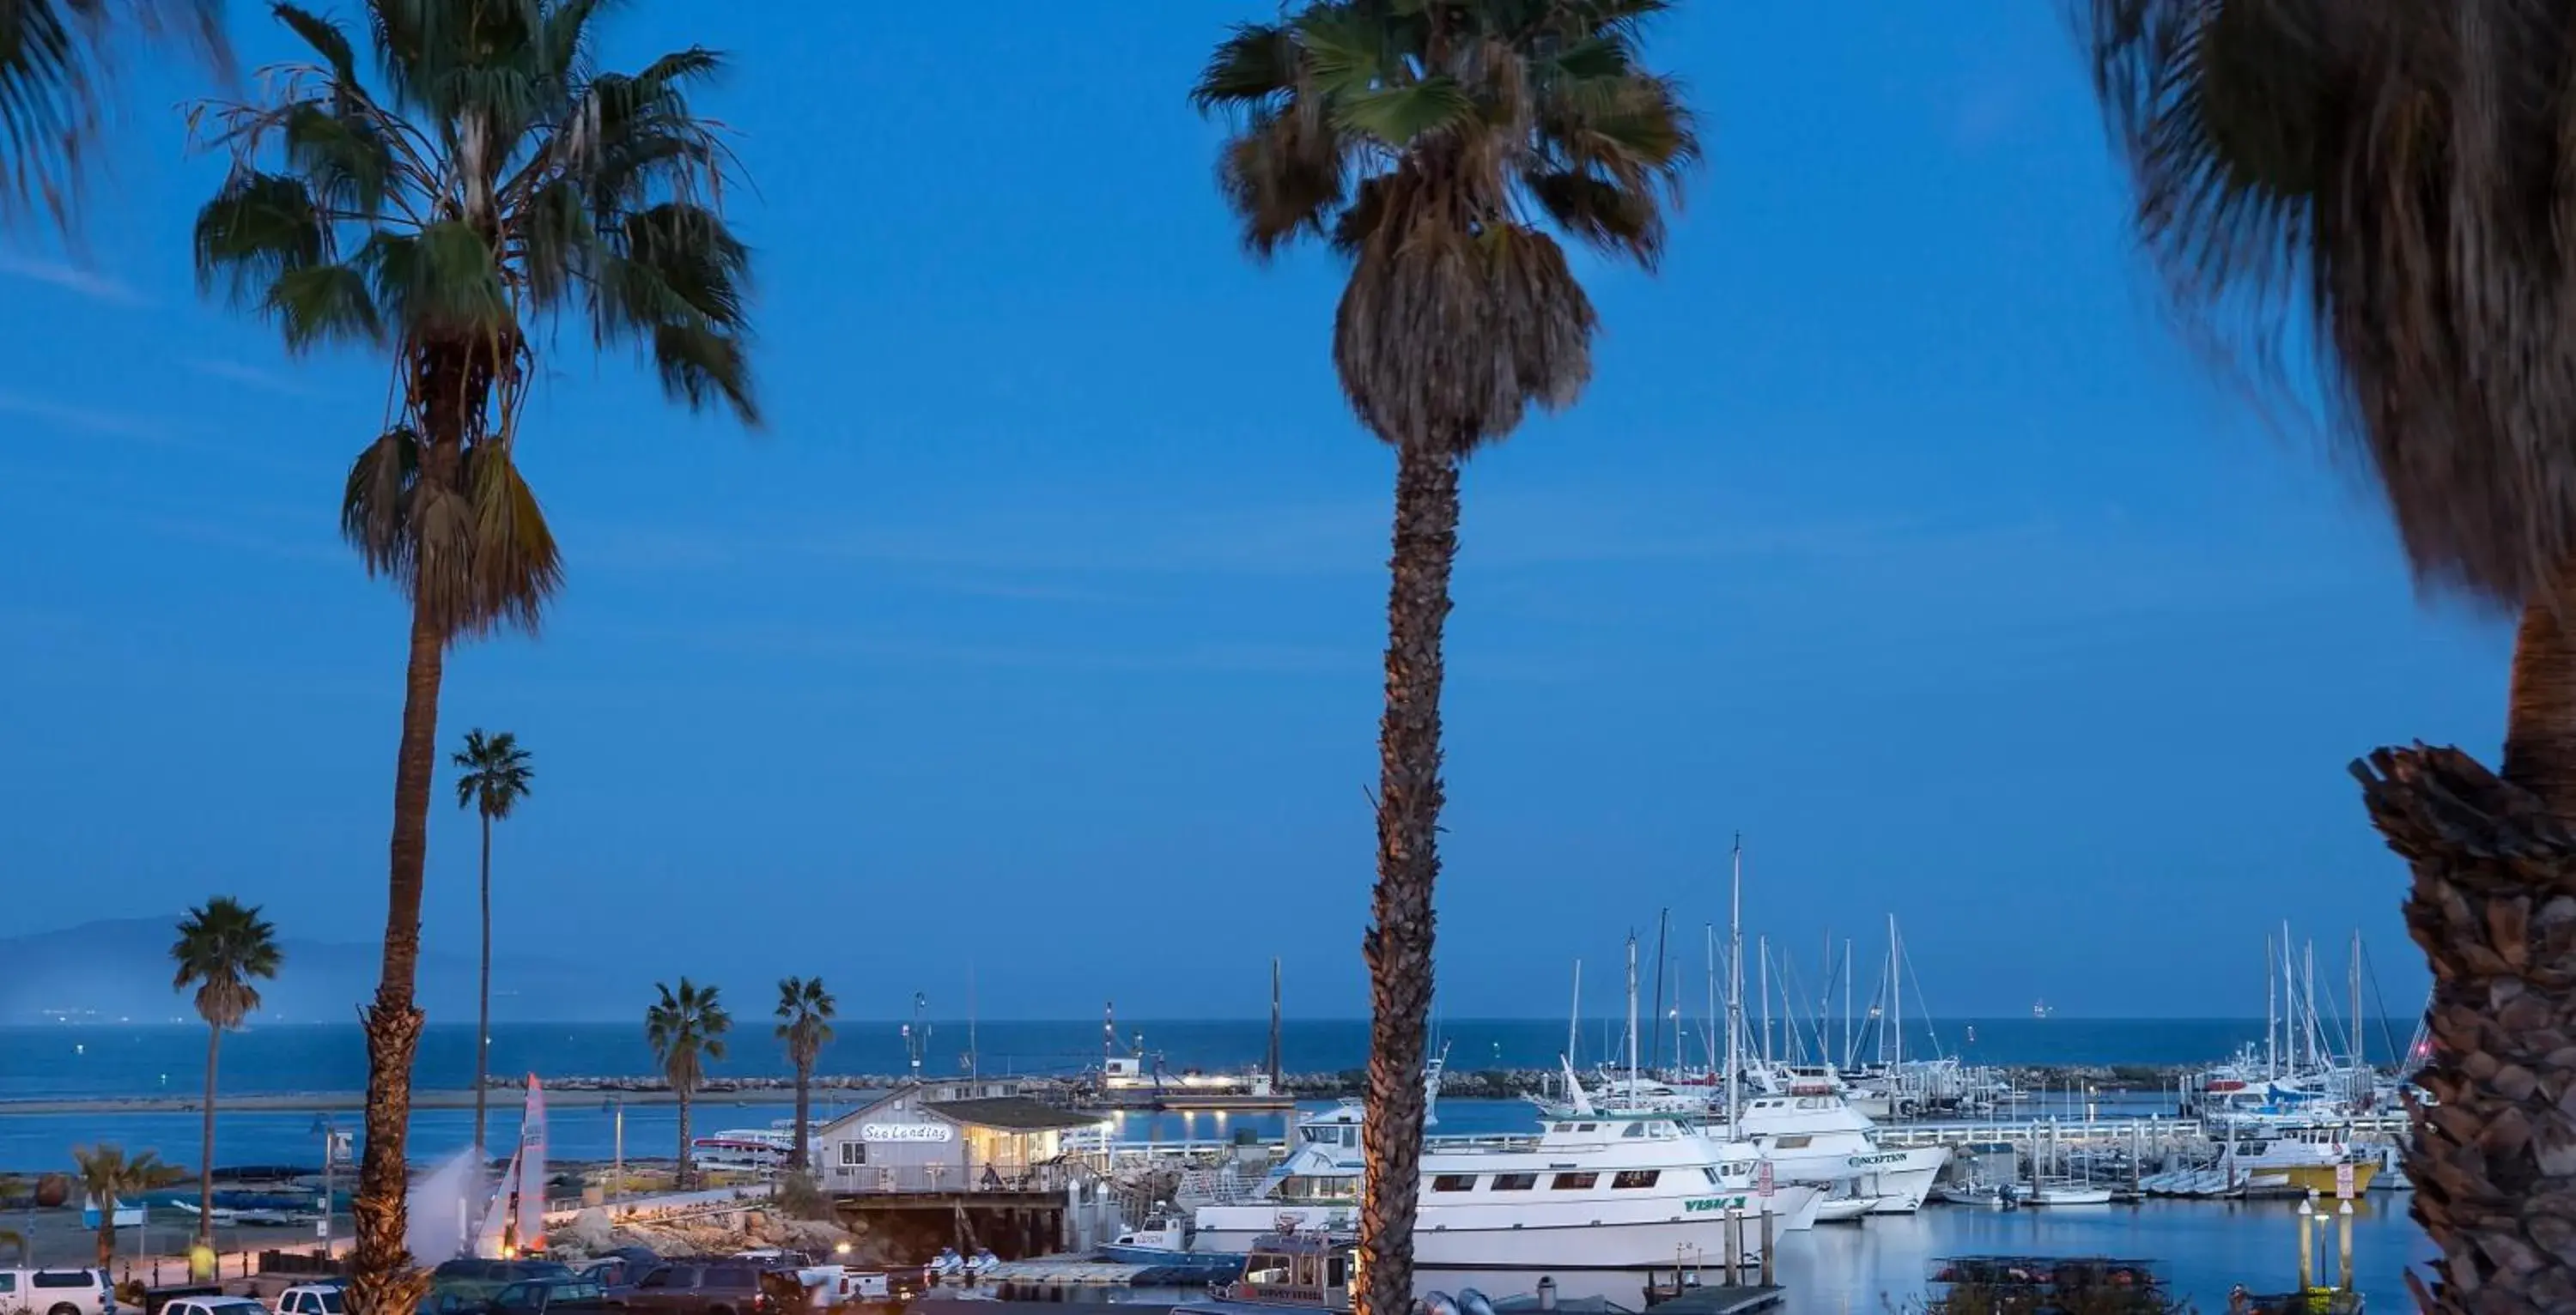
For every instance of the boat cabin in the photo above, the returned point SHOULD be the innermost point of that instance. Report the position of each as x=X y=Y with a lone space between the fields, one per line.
x=1311 y=1270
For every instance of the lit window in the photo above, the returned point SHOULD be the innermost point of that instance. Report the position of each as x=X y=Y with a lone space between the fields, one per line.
x=1636 y=1178
x=1573 y=1182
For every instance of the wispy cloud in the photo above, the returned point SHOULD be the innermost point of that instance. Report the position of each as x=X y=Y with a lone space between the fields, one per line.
x=90 y=283
x=249 y=376
x=113 y=424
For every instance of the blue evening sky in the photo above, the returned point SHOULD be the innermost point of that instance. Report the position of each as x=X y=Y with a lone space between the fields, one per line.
x=1041 y=629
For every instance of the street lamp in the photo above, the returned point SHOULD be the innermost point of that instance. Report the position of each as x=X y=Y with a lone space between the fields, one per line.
x=617 y=1181
x=330 y=1135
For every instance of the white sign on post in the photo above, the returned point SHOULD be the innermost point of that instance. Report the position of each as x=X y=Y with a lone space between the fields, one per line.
x=1762 y=1181
x=2343 y=1181
x=322 y=1227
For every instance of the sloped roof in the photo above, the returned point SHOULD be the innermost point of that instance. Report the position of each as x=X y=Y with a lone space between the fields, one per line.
x=1011 y=1113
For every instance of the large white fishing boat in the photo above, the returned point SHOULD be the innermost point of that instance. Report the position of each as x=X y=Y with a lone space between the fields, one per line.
x=1812 y=1135
x=745 y=1148
x=1608 y=1191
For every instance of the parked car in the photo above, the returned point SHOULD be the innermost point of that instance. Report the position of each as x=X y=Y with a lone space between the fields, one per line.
x=712 y=1287
x=313 y=1299
x=212 y=1306
x=621 y=1267
x=57 y=1291
x=551 y=1296
x=472 y=1282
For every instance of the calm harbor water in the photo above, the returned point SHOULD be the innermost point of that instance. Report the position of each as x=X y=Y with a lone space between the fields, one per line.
x=2202 y=1247
x=110 y=1060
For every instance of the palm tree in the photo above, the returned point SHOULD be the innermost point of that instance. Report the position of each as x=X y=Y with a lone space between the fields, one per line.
x=492 y=182
x=54 y=60
x=1431 y=143
x=223 y=947
x=2387 y=185
x=493 y=776
x=805 y=1023
x=109 y=1177
x=686 y=1030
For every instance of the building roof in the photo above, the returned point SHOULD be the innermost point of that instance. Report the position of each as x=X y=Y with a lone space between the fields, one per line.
x=1011 y=1113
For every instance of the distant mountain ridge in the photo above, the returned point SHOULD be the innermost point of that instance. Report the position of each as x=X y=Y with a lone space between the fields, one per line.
x=119 y=969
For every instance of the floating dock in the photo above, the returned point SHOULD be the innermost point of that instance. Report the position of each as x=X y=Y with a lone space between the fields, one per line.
x=1722 y=1299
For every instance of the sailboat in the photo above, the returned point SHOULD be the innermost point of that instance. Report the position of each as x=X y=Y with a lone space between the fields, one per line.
x=514 y=1220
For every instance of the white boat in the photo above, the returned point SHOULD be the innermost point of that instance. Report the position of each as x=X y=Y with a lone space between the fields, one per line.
x=1987 y=1196
x=2048 y=1193
x=1317 y=1187
x=1813 y=1135
x=1612 y=1191
x=744 y=1148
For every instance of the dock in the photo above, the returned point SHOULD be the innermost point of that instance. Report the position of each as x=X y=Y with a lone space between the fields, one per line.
x=1723 y=1299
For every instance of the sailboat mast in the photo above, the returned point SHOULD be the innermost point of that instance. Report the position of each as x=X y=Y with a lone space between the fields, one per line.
x=1574 y=1020
x=1734 y=981
x=1762 y=956
x=2289 y=1002
x=2271 y=1016
x=2357 y=1060
x=1847 y=1002
x=1709 y=929
x=1632 y=1017
x=1895 y=992
x=1663 y=924
x=2308 y=989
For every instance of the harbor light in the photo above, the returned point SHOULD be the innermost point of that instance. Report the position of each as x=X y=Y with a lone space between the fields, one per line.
x=840 y=1248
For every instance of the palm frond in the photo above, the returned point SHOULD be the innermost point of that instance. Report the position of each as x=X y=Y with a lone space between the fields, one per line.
x=259 y=227
x=376 y=512
x=57 y=59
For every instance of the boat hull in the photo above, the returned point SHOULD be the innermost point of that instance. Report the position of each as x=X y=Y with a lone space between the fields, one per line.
x=1610 y=1244
x=1629 y=1239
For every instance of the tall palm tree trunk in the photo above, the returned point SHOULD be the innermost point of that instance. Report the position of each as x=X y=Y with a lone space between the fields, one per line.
x=483 y=1004
x=1398 y=945
x=383 y=1281
x=681 y=1181
x=804 y=1109
x=106 y=1236
x=2493 y=904
x=206 y=1153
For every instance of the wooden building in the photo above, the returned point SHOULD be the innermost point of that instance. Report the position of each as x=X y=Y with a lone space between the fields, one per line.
x=931 y=1166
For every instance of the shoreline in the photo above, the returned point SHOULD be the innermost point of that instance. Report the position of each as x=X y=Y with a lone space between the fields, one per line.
x=1487 y=1084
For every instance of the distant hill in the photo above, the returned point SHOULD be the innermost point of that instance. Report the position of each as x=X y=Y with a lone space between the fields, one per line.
x=119 y=969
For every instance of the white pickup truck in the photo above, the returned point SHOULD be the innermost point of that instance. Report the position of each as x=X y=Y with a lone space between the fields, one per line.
x=56 y=1292
x=313 y=1299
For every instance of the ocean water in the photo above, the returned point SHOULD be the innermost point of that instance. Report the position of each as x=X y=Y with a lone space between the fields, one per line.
x=110 y=1060
x=86 y=1061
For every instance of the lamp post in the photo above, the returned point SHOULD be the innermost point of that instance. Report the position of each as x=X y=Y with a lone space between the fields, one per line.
x=330 y=1135
x=616 y=1106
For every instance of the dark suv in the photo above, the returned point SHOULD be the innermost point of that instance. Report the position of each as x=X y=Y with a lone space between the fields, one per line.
x=551 y=1296
x=711 y=1287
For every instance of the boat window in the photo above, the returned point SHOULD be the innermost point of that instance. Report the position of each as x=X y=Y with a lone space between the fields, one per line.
x=1636 y=1178
x=1515 y=1182
x=1306 y=1271
x=1454 y=1182
x=1792 y=1142
x=1337 y=1273
x=1633 y=1130
x=1712 y=1173
x=1268 y=1270
x=1562 y=1127
x=1573 y=1182
x=1585 y=1127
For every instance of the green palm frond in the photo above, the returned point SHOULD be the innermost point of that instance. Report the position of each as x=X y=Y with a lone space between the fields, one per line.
x=686 y=1028
x=223 y=947
x=56 y=58
x=448 y=182
x=805 y=1012
x=494 y=773
x=1433 y=143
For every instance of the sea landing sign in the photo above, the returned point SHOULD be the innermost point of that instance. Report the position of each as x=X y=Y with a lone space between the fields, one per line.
x=1698 y=1205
